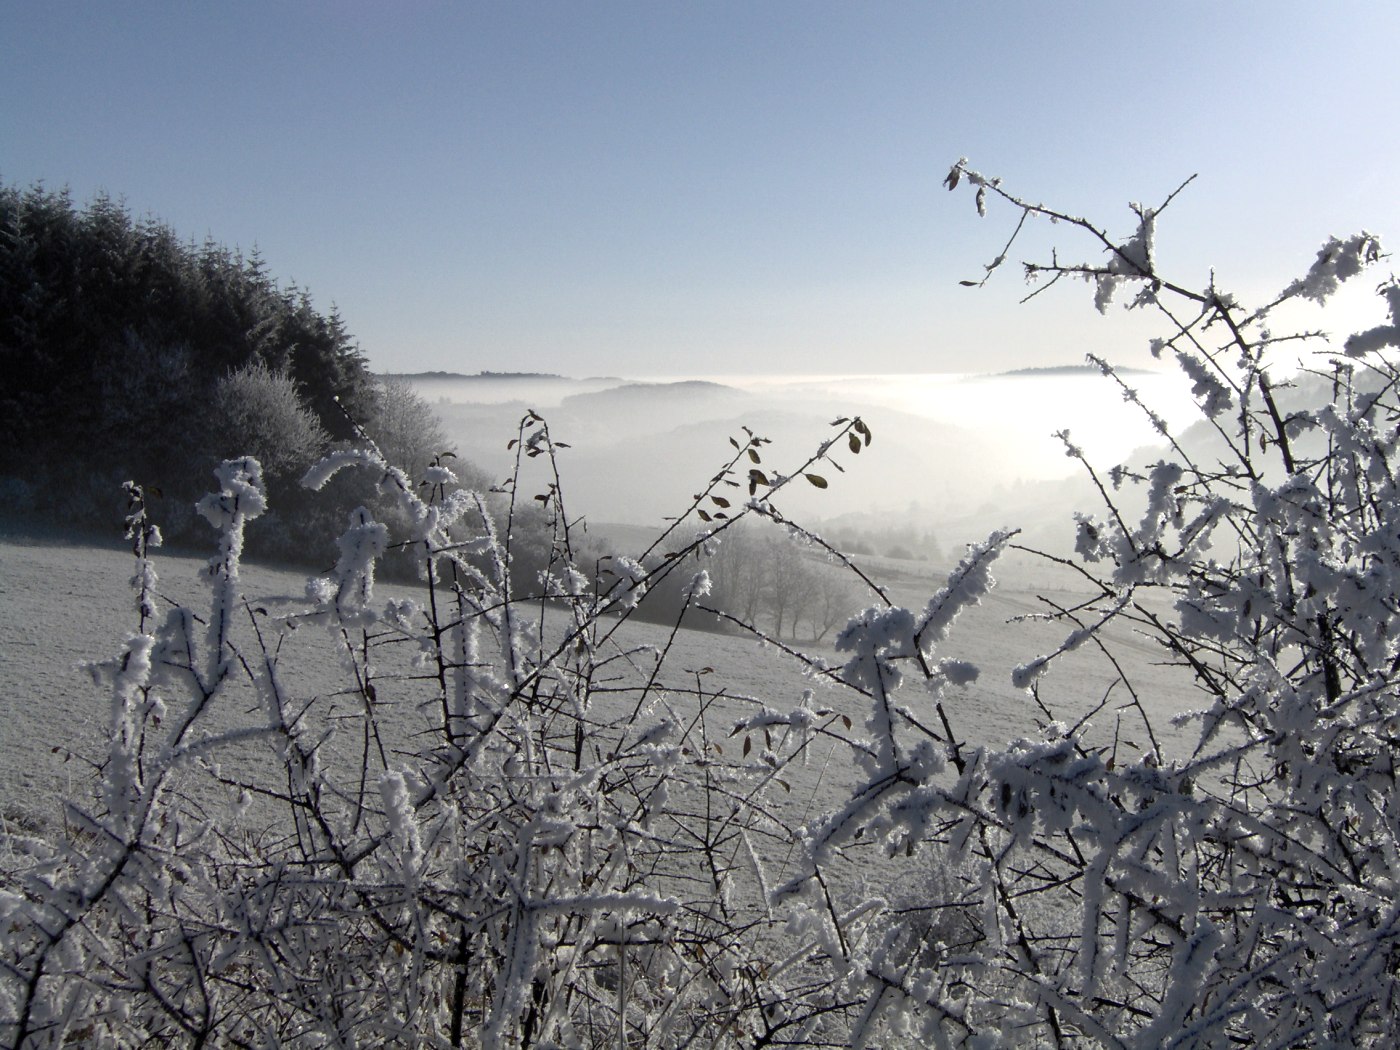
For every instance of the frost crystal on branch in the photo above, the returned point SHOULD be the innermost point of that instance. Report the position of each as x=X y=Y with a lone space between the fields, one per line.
x=1382 y=336
x=1337 y=261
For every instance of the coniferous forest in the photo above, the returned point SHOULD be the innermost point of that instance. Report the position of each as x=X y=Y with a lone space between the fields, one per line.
x=116 y=339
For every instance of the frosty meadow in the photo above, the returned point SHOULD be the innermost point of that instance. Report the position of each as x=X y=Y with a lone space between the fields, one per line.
x=503 y=824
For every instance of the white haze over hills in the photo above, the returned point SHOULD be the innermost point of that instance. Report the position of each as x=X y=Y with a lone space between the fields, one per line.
x=956 y=454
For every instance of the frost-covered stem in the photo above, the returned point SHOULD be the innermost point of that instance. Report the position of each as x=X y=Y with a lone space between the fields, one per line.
x=458 y=1002
x=961 y=170
x=436 y=630
x=1093 y=633
x=503 y=558
x=143 y=536
x=645 y=692
x=1158 y=425
x=1281 y=439
x=1022 y=940
x=242 y=499
x=1074 y=452
x=811 y=665
x=358 y=659
x=561 y=552
x=852 y=428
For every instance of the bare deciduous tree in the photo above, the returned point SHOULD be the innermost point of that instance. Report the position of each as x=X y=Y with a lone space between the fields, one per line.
x=404 y=426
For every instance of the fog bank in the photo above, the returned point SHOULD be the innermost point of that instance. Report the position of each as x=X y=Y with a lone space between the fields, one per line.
x=955 y=453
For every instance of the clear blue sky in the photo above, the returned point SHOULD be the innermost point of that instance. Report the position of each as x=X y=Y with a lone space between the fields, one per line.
x=707 y=188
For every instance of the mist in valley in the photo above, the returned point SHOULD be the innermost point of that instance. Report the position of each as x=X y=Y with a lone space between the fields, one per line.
x=954 y=455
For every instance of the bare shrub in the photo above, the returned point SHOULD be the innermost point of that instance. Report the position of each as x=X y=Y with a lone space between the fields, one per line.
x=1241 y=892
x=501 y=825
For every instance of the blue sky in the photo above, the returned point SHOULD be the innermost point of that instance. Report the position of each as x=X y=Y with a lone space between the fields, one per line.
x=710 y=188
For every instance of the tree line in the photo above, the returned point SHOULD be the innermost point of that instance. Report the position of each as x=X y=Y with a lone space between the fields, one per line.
x=115 y=338
x=760 y=576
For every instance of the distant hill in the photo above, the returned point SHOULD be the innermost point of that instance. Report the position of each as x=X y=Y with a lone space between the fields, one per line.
x=475 y=375
x=953 y=457
x=686 y=390
x=541 y=390
x=1048 y=371
x=632 y=410
x=489 y=376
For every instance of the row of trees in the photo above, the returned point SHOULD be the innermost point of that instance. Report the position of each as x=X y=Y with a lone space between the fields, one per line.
x=772 y=578
x=129 y=353
x=761 y=576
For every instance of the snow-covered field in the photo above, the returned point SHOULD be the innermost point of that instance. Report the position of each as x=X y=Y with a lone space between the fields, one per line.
x=65 y=602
